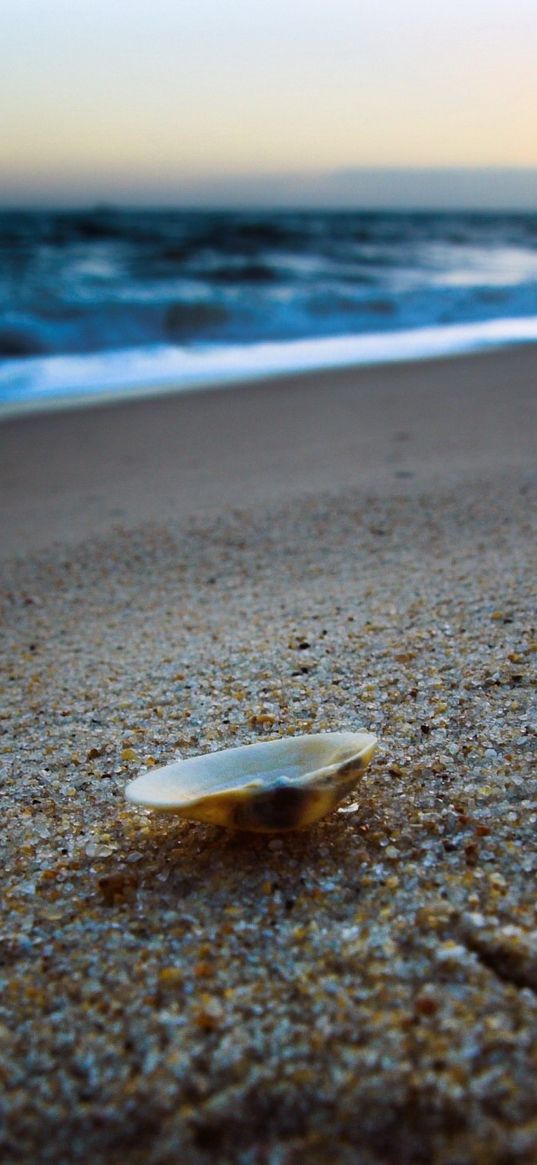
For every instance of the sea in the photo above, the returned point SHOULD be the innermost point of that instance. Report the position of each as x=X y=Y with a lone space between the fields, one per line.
x=111 y=302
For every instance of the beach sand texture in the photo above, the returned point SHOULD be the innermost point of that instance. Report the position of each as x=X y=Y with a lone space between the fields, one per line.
x=189 y=573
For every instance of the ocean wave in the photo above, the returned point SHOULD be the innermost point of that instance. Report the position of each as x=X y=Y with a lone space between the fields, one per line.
x=76 y=284
x=40 y=381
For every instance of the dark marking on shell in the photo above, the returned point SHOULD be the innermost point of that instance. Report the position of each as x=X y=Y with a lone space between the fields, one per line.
x=279 y=808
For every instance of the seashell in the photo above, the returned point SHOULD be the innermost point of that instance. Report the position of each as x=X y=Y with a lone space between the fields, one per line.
x=272 y=786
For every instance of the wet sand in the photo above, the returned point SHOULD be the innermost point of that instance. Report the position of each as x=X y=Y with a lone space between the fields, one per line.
x=343 y=550
x=66 y=476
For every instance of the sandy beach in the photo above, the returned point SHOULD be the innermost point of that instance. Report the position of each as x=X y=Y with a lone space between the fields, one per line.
x=339 y=550
x=404 y=429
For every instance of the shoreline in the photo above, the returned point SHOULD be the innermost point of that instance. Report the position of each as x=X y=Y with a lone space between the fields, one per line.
x=216 y=368
x=69 y=474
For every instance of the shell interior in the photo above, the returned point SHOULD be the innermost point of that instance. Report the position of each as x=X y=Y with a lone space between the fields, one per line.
x=271 y=786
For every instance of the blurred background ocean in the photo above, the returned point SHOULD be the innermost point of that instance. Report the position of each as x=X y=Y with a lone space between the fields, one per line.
x=113 y=300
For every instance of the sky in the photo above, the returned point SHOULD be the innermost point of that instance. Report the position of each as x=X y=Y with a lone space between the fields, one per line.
x=178 y=101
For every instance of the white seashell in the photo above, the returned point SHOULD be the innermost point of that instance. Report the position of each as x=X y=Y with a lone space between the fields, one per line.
x=272 y=786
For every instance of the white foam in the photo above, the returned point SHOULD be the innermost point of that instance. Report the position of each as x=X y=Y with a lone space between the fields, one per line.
x=42 y=382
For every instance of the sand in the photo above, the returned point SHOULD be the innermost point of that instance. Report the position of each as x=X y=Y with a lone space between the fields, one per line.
x=400 y=429
x=348 y=550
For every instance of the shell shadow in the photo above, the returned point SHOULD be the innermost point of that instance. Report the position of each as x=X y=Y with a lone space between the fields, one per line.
x=200 y=871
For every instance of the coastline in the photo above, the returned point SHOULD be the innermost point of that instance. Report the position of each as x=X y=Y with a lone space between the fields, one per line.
x=71 y=381
x=69 y=474
x=342 y=549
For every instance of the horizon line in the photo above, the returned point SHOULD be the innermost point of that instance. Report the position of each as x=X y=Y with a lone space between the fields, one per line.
x=408 y=189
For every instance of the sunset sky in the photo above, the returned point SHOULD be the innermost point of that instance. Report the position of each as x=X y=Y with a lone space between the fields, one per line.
x=162 y=100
